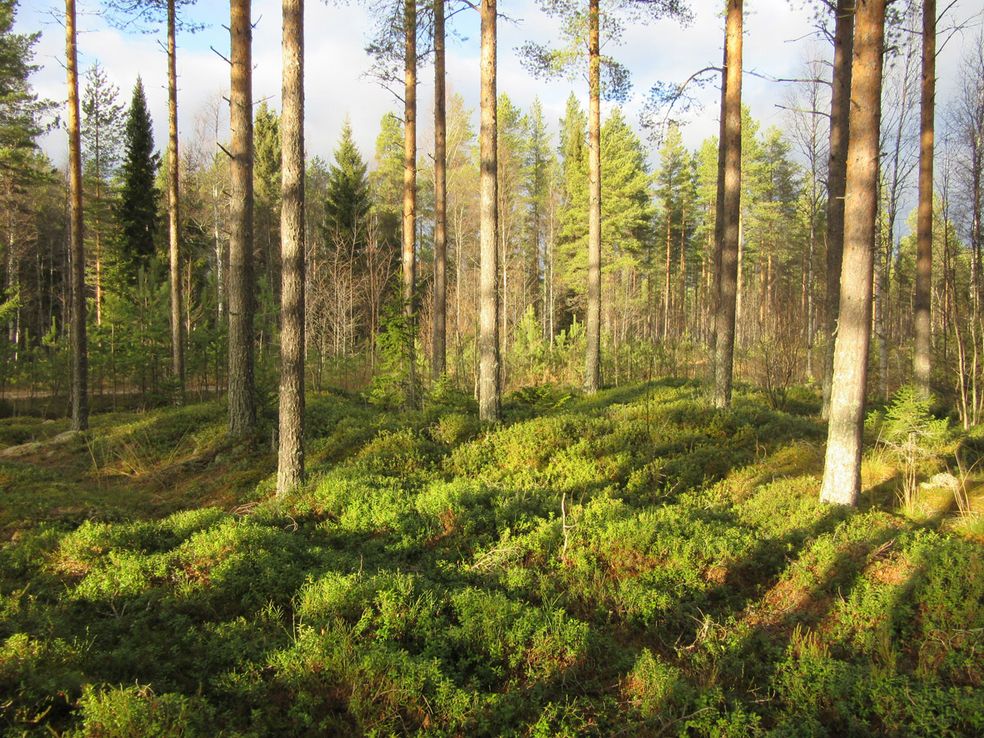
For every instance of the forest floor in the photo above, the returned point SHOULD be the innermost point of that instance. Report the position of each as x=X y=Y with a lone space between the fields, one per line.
x=634 y=563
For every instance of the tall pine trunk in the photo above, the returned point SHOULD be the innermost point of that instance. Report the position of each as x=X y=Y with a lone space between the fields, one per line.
x=842 y=466
x=924 y=224
x=592 y=364
x=730 y=186
x=173 y=220
x=840 y=110
x=410 y=192
x=290 y=467
x=715 y=297
x=439 y=346
x=80 y=359
x=242 y=403
x=489 y=402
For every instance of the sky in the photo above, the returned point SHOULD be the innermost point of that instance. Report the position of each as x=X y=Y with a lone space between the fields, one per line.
x=779 y=37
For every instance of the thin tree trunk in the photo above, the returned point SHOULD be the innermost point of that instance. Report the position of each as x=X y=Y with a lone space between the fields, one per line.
x=290 y=466
x=810 y=327
x=489 y=403
x=592 y=365
x=98 y=231
x=410 y=191
x=840 y=109
x=883 y=252
x=731 y=205
x=219 y=257
x=666 y=275
x=682 y=312
x=80 y=359
x=173 y=221
x=924 y=225
x=242 y=403
x=842 y=466
x=439 y=348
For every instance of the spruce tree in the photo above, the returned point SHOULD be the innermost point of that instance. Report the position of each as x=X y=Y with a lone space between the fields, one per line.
x=347 y=200
x=138 y=214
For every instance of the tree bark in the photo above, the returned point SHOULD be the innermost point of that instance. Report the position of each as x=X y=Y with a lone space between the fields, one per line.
x=666 y=274
x=840 y=110
x=439 y=344
x=842 y=466
x=924 y=223
x=489 y=401
x=173 y=220
x=410 y=191
x=592 y=364
x=290 y=467
x=242 y=403
x=715 y=297
x=730 y=186
x=80 y=359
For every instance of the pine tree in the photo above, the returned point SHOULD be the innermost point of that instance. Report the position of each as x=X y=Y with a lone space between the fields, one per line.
x=671 y=180
x=729 y=188
x=22 y=167
x=21 y=113
x=102 y=144
x=924 y=260
x=539 y=160
x=242 y=285
x=511 y=142
x=290 y=466
x=439 y=333
x=842 y=462
x=489 y=379
x=347 y=200
x=266 y=191
x=386 y=179
x=582 y=27
x=80 y=354
x=138 y=215
x=840 y=108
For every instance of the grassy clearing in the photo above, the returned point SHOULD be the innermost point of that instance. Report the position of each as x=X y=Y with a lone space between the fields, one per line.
x=635 y=563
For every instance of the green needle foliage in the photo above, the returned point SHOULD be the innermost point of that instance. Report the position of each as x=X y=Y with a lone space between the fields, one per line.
x=139 y=217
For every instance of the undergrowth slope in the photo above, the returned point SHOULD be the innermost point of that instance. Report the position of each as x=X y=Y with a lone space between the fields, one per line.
x=635 y=563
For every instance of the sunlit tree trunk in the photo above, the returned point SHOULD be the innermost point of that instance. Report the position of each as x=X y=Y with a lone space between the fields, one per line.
x=840 y=109
x=290 y=467
x=173 y=220
x=242 y=403
x=666 y=274
x=715 y=281
x=842 y=466
x=410 y=191
x=730 y=202
x=489 y=403
x=439 y=347
x=924 y=224
x=80 y=359
x=592 y=366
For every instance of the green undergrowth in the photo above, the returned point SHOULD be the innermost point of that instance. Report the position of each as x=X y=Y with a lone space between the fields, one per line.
x=635 y=563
